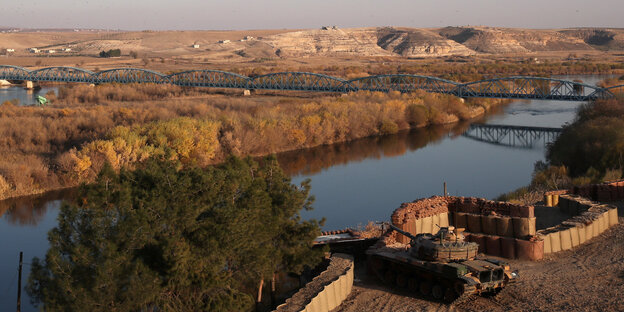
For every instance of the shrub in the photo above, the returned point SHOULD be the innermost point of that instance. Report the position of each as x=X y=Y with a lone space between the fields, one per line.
x=388 y=127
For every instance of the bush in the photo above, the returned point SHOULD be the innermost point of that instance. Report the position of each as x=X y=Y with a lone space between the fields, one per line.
x=111 y=53
x=388 y=127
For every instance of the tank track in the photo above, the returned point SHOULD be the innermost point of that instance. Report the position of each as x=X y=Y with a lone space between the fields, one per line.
x=460 y=299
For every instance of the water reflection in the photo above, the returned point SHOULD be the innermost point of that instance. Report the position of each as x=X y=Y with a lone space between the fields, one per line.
x=315 y=160
x=30 y=210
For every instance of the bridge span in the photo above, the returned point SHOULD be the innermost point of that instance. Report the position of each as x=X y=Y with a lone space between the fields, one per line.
x=517 y=87
x=512 y=136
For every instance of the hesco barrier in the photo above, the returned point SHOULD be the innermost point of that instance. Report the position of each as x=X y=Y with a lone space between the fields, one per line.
x=501 y=229
x=589 y=220
x=605 y=192
x=509 y=230
x=327 y=290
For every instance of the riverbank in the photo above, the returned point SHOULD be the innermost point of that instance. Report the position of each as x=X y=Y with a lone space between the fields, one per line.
x=66 y=144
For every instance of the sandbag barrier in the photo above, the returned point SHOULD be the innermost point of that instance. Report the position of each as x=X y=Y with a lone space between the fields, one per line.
x=605 y=192
x=590 y=220
x=330 y=295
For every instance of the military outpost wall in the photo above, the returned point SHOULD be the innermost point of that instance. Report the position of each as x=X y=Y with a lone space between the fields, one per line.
x=327 y=290
x=504 y=229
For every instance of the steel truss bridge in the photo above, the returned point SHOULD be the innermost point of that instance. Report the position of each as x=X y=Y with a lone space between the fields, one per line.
x=512 y=136
x=535 y=88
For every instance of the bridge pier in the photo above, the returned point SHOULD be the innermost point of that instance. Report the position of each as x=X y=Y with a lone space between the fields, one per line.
x=29 y=85
x=249 y=92
x=4 y=82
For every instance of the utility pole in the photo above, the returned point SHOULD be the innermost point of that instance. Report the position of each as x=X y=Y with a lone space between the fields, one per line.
x=445 y=189
x=19 y=283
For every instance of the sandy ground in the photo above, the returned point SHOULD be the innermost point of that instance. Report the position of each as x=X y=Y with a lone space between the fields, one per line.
x=587 y=278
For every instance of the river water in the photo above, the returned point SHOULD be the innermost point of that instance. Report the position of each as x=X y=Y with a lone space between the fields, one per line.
x=354 y=182
x=23 y=96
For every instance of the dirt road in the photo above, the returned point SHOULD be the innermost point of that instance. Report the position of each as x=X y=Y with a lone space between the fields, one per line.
x=587 y=278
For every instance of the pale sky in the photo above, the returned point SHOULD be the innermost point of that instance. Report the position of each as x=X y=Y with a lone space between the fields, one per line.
x=277 y=14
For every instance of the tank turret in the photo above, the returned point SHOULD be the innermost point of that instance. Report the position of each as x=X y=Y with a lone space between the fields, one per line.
x=447 y=245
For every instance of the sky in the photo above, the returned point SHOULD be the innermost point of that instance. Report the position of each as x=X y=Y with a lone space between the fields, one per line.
x=279 y=14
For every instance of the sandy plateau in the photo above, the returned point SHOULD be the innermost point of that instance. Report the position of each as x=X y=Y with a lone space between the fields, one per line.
x=175 y=50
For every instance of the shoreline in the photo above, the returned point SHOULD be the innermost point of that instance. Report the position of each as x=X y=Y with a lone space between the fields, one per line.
x=478 y=111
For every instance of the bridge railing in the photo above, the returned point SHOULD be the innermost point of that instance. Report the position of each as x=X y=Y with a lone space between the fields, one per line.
x=518 y=87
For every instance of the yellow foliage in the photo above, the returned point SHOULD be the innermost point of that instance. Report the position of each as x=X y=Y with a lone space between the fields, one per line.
x=5 y=187
x=298 y=136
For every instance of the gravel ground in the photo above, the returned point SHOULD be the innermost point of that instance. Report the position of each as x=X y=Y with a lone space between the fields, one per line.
x=586 y=278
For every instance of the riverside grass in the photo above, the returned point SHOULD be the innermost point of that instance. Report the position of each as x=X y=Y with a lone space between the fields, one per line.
x=68 y=143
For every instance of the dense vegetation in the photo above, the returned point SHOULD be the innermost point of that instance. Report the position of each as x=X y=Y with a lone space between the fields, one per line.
x=589 y=150
x=161 y=238
x=69 y=142
x=458 y=69
x=594 y=142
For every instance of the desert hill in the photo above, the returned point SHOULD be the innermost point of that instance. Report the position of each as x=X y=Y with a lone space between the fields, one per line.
x=328 y=41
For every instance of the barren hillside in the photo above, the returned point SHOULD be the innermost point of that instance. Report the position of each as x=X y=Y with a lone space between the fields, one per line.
x=510 y=40
x=328 y=41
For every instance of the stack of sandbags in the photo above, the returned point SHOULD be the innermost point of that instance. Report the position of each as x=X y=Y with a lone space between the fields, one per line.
x=426 y=215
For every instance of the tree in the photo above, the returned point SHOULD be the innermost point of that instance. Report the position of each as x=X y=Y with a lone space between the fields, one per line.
x=165 y=238
x=111 y=53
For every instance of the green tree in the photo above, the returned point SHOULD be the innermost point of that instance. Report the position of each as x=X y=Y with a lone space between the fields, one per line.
x=594 y=140
x=171 y=239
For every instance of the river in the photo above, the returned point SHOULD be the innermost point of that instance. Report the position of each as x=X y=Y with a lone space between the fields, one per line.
x=23 y=96
x=354 y=182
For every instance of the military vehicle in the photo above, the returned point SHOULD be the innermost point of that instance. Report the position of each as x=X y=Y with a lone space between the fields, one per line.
x=442 y=266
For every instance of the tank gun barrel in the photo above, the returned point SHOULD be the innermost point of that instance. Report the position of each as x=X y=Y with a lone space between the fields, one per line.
x=412 y=237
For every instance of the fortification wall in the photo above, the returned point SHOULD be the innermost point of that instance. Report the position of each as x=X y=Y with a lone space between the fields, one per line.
x=501 y=229
x=589 y=220
x=508 y=230
x=326 y=291
x=604 y=192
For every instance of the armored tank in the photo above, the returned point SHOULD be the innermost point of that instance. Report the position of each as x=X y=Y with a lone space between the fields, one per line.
x=442 y=266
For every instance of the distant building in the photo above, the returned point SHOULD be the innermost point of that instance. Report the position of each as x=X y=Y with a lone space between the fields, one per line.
x=10 y=50
x=33 y=50
x=196 y=46
x=224 y=41
x=50 y=51
x=66 y=49
x=247 y=38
